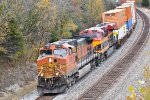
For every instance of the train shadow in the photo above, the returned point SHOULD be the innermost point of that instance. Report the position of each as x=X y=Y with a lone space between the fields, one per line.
x=50 y=94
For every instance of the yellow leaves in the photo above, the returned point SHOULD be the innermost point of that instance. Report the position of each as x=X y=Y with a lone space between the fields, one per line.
x=147 y=93
x=142 y=90
x=133 y=94
x=95 y=8
x=2 y=37
x=141 y=98
x=99 y=4
x=44 y=4
x=2 y=50
x=71 y=26
x=3 y=31
x=131 y=88
x=146 y=72
x=148 y=53
x=68 y=26
x=146 y=90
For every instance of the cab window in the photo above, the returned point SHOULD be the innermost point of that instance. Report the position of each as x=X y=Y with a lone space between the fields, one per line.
x=45 y=52
x=60 y=52
x=70 y=50
x=98 y=35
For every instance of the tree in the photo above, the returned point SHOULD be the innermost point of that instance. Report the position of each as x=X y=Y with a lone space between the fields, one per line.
x=32 y=23
x=11 y=36
x=14 y=40
x=109 y=4
x=95 y=9
x=65 y=24
x=3 y=30
x=145 y=3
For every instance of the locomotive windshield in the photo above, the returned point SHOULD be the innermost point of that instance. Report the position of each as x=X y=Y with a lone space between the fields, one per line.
x=45 y=52
x=60 y=52
x=98 y=35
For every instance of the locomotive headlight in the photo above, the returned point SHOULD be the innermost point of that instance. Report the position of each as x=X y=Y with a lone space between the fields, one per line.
x=50 y=59
x=57 y=73
x=42 y=74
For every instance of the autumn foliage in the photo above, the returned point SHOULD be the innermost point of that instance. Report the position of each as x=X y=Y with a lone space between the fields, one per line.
x=27 y=25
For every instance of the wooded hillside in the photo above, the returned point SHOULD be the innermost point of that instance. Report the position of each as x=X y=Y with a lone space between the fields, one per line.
x=26 y=25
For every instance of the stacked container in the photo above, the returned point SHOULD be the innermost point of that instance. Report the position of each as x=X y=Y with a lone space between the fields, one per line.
x=122 y=1
x=118 y=17
x=132 y=1
x=115 y=16
x=128 y=14
x=132 y=10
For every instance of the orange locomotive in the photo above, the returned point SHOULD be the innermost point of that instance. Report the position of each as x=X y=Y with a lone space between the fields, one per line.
x=60 y=63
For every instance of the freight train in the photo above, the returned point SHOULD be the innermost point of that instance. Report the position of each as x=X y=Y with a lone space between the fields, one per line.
x=60 y=64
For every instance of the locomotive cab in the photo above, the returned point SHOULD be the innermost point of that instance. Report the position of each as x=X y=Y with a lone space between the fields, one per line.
x=53 y=62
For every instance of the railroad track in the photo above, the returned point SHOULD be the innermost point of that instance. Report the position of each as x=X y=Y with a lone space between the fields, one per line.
x=110 y=78
x=47 y=97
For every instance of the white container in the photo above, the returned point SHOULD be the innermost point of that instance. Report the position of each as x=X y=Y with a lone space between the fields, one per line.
x=122 y=32
x=132 y=10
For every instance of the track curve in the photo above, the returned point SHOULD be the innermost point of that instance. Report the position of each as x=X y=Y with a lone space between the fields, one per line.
x=98 y=89
x=46 y=97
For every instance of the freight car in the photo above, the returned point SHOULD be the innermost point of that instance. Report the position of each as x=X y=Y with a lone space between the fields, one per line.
x=62 y=63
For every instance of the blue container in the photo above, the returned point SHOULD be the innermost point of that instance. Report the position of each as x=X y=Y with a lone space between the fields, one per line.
x=129 y=24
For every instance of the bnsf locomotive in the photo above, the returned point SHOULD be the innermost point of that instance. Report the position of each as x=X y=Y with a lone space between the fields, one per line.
x=62 y=63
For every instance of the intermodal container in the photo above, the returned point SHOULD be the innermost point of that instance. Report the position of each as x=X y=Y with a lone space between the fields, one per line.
x=122 y=1
x=125 y=13
x=132 y=10
x=121 y=32
x=129 y=24
x=116 y=16
x=128 y=12
x=132 y=1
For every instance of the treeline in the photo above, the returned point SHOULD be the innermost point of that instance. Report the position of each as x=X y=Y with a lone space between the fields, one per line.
x=26 y=25
x=146 y=3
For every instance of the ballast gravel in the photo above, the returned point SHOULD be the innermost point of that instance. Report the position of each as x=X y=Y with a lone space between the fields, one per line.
x=84 y=84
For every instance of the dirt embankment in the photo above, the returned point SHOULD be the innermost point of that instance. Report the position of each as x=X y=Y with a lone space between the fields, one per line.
x=13 y=78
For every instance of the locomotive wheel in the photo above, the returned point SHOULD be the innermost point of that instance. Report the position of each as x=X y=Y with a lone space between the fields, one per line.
x=105 y=54
x=73 y=82
x=69 y=84
x=93 y=64
x=99 y=60
x=97 y=63
x=103 y=58
x=128 y=34
x=118 y=44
